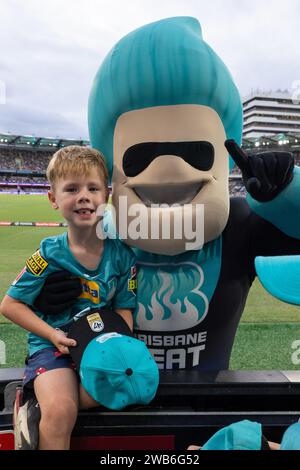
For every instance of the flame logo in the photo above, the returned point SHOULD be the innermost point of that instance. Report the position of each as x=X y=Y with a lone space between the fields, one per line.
x=169 y=297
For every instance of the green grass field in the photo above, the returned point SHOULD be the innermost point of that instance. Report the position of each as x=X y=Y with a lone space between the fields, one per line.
x=265 y=334
x=27 y=208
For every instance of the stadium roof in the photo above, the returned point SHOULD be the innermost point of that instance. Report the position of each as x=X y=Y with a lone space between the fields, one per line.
x=37 y=142
x=292 y=140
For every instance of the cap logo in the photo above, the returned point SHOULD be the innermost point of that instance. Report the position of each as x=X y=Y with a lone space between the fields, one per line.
x=95 y=322
x=107 y=336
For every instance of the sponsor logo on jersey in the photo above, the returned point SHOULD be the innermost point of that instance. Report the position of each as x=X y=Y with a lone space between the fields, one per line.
x=95 y=322
x=90 y=290
x=36 y=264
x=132 y=281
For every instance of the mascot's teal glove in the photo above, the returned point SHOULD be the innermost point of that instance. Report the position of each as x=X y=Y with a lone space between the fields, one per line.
x=266 y=174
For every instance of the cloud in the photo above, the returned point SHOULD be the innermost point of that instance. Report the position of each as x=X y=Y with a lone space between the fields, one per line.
x=17 y=119
x=53 y=49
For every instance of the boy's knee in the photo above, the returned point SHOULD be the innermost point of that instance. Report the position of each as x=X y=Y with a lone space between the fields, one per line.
x=60 y=414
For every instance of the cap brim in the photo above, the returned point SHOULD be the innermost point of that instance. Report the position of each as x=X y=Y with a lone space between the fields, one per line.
x=280 y=275
x=93 y=324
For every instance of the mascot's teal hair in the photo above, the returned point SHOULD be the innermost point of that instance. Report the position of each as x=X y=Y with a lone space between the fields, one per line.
x=162 y=63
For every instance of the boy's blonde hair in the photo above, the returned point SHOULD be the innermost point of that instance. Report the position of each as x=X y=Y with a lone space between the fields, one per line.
x=75 y=160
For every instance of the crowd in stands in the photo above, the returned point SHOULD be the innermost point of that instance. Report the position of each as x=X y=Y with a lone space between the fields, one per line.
x=37 y=160
x=22 y=179
x=16 y=159
x=237 y=188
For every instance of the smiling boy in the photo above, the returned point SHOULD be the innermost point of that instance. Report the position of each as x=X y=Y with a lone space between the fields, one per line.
x=78 y=186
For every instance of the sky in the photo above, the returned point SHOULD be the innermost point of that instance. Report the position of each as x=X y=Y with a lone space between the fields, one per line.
x=52 y=49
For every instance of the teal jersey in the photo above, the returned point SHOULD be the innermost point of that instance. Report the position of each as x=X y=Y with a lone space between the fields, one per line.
x=111 y=285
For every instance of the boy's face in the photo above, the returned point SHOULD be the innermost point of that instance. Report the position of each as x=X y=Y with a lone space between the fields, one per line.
x=78 y=198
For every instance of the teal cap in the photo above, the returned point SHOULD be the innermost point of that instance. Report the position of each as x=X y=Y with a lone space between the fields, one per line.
x=243 y=435
x=291 y=438
x=118 y=371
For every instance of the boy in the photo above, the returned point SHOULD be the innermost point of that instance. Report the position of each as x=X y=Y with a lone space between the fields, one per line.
x=78 y=186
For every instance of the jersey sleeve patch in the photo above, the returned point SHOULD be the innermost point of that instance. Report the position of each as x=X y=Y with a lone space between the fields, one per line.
x=132 y=284
x=36 y=264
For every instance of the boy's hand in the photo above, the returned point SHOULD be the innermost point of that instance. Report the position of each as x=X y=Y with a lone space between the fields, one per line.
x=61 y=341
x=59 y=293
x=266 y=174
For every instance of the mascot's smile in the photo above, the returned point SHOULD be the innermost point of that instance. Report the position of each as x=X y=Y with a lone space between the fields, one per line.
x=154 y=194
x=168 y=173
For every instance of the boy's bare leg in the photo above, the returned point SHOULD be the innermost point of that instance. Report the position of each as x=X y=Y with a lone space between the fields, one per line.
x=85 y=400
x=274 y=445
x=57 y=393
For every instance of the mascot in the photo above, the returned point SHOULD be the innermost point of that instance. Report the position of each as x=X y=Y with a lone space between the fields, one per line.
x=162 y=106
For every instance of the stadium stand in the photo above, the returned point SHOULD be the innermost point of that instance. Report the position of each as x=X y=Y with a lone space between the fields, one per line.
x=24 y=159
